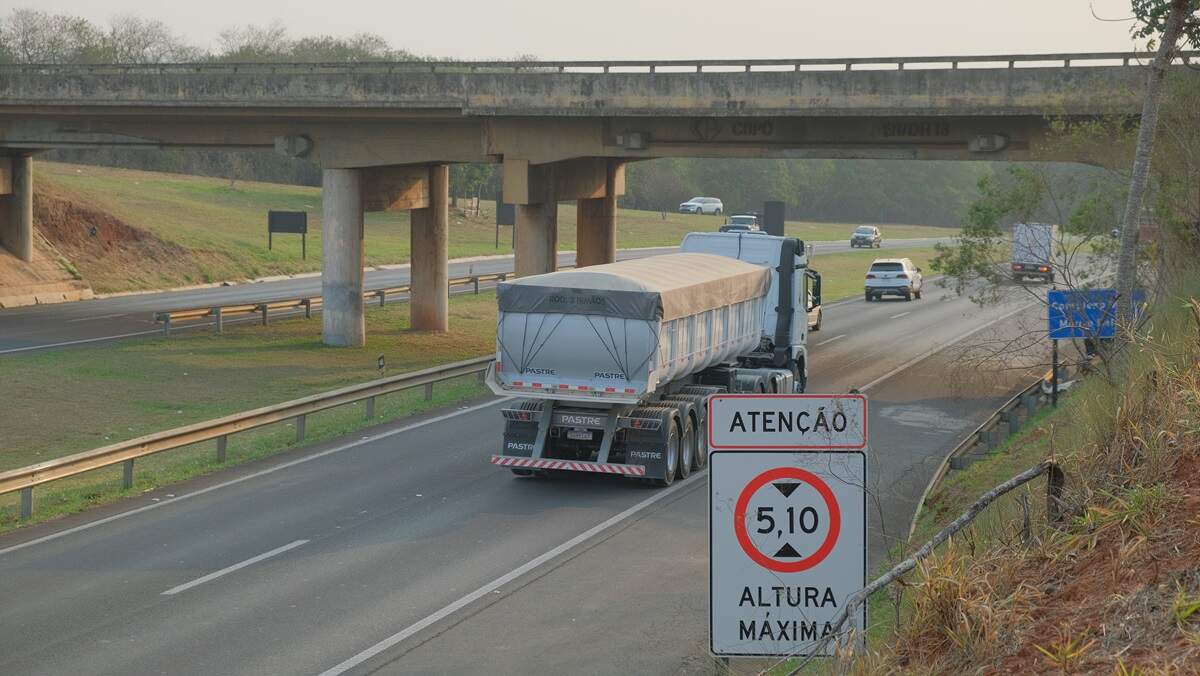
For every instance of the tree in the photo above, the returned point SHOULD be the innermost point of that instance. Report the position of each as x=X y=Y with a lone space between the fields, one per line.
x=1171 y=20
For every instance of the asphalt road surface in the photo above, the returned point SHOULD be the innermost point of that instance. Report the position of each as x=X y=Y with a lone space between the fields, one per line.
x=401 y=550
x=41 y=327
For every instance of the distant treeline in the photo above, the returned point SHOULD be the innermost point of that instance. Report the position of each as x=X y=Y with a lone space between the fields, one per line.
x=841 y=190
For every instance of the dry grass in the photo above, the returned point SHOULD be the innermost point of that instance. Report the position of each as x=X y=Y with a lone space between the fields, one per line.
x=1115 y=588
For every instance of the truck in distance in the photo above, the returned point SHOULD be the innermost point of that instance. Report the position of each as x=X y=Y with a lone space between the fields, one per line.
x=614 y=362
x=1033 y=252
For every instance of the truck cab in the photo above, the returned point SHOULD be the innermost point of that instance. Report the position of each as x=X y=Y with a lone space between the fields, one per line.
x=784 y=332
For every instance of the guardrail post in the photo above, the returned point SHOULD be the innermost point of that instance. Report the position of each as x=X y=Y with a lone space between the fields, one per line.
x=988 y=437
x=127 y=474
x=300 y=420
x=167 y=324
x=475 y=279
x=428 y=391
x=1030 y=403
x=27 y=503
x=382 y=296
x=1012 y=419
x=263 y=309
x=216 y=312
x=370 y=408
x=307 y=303
x=222 y=444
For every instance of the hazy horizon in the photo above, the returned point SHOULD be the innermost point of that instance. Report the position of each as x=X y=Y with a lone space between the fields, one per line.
x=632 y=30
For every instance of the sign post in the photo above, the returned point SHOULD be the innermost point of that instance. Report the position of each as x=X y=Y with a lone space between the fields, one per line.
x=288 y=221
x=787 y=519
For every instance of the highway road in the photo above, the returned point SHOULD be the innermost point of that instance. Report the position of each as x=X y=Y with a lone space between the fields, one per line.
x=42 y=327
x=400 y=550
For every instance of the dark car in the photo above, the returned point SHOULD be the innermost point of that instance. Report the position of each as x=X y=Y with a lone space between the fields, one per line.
x=866 y=235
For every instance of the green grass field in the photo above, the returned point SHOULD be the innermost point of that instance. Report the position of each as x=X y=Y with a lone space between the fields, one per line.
x=224 y=226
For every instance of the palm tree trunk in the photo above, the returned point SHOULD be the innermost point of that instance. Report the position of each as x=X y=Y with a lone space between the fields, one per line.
x=1127 y=260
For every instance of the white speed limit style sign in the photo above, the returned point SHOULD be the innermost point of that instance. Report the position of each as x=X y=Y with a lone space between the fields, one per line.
x=788 y=547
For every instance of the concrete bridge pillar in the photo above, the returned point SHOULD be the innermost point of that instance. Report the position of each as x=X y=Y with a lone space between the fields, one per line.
x=430 y=297
x=342 y=263
x=536 y=250
x=596 y=219
x=16 y=206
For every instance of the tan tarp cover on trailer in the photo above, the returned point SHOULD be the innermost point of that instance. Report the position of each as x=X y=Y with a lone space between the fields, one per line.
x=685 y=283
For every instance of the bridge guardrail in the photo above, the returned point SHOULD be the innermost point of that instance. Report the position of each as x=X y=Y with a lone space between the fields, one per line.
x=307 y=303
x=1029 y=398
x=1067 y=60
x=26 y=478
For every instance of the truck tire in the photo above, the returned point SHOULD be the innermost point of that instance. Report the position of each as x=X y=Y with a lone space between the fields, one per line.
x=687 y=449
x=867 y=297
x=672 y=456
x=697 y=396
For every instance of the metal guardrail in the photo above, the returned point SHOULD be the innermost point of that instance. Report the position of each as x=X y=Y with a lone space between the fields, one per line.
x=307 y=303
x=1066 y=60
x=26 y=478
x=986 y=435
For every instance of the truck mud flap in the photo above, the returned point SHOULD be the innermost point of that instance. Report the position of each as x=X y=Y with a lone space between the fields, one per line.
x=649 y=447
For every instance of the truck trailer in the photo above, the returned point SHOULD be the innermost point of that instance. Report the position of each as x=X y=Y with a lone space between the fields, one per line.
x=614 y=363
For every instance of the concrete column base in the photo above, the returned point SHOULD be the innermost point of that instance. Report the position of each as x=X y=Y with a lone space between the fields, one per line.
x=16 y=208
x=429 y=232
x=342 y=323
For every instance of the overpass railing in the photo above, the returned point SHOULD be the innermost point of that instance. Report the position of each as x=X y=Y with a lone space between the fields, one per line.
x=126 y=452
x=953 y=62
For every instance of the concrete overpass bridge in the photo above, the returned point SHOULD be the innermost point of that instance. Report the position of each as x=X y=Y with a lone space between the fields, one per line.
x=384 y=133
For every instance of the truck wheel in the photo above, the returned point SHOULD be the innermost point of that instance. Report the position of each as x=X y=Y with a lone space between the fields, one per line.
x=672 y=459
x=700 y=456
x=522 y=472
x=687 y=449
x=868 y=296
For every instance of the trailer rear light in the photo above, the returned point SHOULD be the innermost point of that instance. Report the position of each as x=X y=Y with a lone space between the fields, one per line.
x=610 y=389
x=582 y=388
x=518 y=383
x=562 y=387
x=537 y=385
x=630 y=390
x=647 y=424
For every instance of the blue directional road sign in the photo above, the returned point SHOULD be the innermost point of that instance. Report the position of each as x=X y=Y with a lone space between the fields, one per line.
x=1085 y=314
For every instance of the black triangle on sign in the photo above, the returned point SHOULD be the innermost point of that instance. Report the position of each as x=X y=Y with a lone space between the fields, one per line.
x=787 y=551
x=787 y=488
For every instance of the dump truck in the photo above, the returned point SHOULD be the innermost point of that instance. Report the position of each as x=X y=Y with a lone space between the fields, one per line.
x=613 y=363
x=1033 y=251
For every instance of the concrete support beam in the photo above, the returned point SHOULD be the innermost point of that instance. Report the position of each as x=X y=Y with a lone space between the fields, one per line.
x=16 y=207
x=596 y=232
x=430 y=304
x=342 y=265
x=395 y=188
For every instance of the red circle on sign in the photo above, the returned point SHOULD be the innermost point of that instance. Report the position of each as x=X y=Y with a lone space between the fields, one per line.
x=739 y=520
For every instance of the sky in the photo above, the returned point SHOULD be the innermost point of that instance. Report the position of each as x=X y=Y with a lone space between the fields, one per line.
x=652 y=29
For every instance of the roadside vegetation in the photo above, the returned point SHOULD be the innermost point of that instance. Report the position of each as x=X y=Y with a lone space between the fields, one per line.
x=155 y=230
x=73 y=400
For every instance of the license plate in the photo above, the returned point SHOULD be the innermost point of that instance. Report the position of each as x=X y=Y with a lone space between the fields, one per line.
x=579 y=435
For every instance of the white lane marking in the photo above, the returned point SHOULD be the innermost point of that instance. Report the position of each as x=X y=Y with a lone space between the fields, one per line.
x=940 y=347
x=900 y=315
x=826 y=342
x=78 y=342
x=92 y=319
x=237 y=566
x=508 y=577
x=255 y=475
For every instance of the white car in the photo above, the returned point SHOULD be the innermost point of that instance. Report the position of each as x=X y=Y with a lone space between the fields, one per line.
x=893 y=277
x=702 y=205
